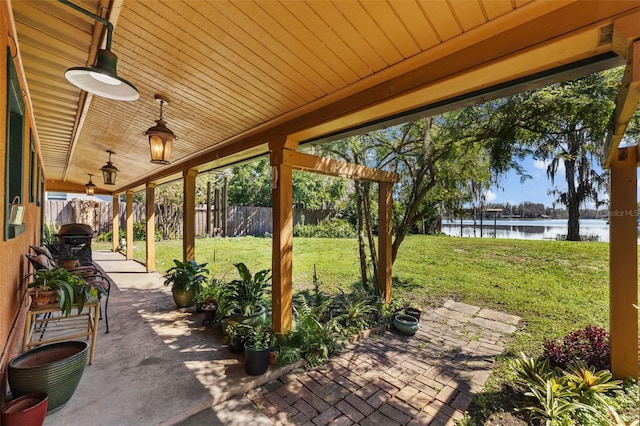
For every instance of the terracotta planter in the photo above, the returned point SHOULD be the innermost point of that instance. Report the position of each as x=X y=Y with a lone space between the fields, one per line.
x=70 y=264
x=27 y=410
x=43 y=297
x=55 y=369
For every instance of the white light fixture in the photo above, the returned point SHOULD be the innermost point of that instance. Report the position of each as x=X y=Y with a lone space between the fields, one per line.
x=160 y=137
x=102 y=79
x=109 y=171
x=89 y=186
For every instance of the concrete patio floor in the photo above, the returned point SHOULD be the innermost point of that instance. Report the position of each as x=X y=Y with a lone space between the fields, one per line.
x=160 y=366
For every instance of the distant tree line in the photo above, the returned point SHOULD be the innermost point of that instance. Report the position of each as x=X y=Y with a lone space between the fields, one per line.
x=529 y=210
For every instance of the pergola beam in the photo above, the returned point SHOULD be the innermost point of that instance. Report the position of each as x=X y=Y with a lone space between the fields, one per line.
x=328 y=166
x=625 y=42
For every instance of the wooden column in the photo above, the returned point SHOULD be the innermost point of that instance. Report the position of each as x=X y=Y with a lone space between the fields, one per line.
x=208 y=224
x=623 y=263
x=151 y=227
x=282 y=249
x=385 y=234
x=129 y=228
x=189 y=215
x=115 y=223
x=225 y=210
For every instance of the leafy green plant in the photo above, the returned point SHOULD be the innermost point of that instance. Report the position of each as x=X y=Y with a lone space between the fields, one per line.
x=187 y=275
x=70 y=287
x=236 y=330
x=588 y=384
x=355 y=310
x=258 y=337
x=333 y=228
x=532 y=372
x=555 y=403
x=318 y=339
x=49 y=234
x=248 y=292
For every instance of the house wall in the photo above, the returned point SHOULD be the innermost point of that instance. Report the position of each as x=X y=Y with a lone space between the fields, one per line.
x=13 y=299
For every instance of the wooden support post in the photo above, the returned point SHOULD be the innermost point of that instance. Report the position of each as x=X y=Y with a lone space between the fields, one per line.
x=623 y=263
x=385 y=233
x=129 y=228
x=282 y=249
x=151 y=227
x=189 y=215
x=208 y=225
x=115 y=223
x=225 y=210
x=282 y=257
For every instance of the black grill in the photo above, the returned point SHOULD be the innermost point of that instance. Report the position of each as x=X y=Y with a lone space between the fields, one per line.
x=75 y=240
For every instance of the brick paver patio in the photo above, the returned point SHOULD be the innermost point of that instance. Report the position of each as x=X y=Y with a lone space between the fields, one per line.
x=390 y=379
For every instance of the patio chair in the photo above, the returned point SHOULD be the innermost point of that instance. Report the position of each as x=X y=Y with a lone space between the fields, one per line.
x=89 y=273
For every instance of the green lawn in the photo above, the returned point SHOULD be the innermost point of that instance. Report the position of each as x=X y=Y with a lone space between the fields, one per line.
x=555 y=286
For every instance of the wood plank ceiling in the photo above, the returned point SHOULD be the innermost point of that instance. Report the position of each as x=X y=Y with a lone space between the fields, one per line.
x=241 y=72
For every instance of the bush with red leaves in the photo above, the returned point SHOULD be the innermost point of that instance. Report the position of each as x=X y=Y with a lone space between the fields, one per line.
x=590 y=346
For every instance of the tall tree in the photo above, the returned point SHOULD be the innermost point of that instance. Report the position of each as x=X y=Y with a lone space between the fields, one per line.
x=565 y=124
x=434 y=172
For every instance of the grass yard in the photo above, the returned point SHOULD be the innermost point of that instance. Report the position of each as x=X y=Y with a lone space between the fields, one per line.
x=555 y=286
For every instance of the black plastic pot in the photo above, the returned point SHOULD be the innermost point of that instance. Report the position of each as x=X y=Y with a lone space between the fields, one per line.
x=413 y=312
x=236 y=345
x=54 y=369
x=257 y=362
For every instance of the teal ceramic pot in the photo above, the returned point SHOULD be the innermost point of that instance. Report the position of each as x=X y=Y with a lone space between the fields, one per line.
x=405 y=324
x=257 y=316
x=54 y=369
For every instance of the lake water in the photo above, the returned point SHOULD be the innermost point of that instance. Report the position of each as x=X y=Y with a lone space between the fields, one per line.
x=534 y=229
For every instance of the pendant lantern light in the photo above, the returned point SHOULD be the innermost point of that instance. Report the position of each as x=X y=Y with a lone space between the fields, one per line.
x=89 y=186
x=160 y=137
x=109 y=171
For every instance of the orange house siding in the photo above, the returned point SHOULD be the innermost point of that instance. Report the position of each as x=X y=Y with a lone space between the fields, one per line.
x=13 y=300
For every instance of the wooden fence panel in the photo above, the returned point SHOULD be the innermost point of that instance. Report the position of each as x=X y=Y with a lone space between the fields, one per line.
x=241 y=220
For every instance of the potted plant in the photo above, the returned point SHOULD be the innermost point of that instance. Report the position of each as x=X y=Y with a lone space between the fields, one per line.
x=247 y=294
x=257 y=348
x=186 y=280
x=235 y=335
x=65 y=284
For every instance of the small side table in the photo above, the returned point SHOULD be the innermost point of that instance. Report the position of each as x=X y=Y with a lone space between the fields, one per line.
x=52 y=326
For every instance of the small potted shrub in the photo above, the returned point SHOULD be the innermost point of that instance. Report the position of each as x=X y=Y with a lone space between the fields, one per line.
x=235 y=335
x=186 y=280
x=257 y=348
x=63 y=283
x=247 y=294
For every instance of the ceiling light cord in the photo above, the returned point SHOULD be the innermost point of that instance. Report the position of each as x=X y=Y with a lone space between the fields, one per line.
x=98 y=18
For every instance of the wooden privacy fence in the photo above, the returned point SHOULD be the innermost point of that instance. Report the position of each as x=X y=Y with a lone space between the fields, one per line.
x=241 y=220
